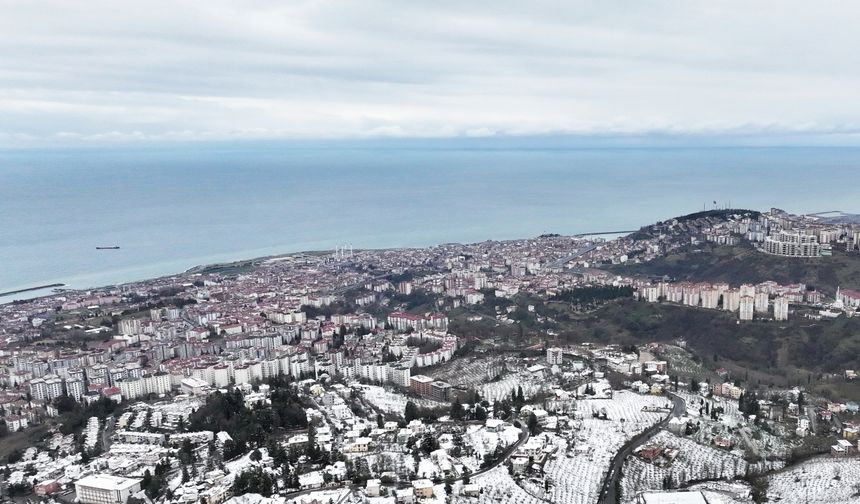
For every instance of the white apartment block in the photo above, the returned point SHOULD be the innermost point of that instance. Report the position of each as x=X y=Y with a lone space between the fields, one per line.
x=554 y=356
x=731 y=300
x=747 y=308
x=105 y=489
x=792 y=244
x=761 y=302
x=75 y=388
x=780 y=308
x=710 y=298
x=129 y=326
x=133 y=388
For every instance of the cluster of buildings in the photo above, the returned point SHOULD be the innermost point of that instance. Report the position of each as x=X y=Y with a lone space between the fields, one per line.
x=748 y=301
x=346 y=318
x=778 y=232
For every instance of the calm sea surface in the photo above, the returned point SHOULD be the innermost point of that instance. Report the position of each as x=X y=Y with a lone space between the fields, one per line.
x=170 y=209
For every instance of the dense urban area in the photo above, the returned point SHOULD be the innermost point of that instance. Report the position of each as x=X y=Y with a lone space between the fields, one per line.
x=709 y=358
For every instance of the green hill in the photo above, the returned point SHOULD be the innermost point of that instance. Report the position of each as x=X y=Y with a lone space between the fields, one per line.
x=797 y=352
x=743 y=264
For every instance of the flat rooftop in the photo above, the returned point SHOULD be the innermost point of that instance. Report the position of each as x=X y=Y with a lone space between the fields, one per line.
x=107 y=482
x=673 y=498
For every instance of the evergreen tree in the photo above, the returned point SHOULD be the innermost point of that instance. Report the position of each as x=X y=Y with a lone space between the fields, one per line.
x=411 y=412
x=532 y=424
x=456 y=410
x=480 y=413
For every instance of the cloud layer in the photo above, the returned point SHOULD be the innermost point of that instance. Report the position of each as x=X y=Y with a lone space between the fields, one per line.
x=171 y=70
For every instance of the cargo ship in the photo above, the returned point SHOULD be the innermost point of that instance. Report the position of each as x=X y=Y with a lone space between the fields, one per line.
x=115 y=247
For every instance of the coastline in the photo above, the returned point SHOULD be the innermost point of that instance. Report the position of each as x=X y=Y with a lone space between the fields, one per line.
x=29 y=289
x=213 y=267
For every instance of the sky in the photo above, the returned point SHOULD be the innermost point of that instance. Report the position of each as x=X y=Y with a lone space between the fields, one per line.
x=96 y=72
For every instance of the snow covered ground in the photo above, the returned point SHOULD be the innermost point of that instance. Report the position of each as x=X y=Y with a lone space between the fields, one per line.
x=470 y=372
x=319 y=496
x=694 y=462
x=482 y=442
x=498 y=390
x=724 y=492
x=826 y=480
x=577 y=469
x=394 y=402
x=499 y=488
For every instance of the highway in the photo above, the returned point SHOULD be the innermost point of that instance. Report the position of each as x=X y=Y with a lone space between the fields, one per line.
x=609 y=493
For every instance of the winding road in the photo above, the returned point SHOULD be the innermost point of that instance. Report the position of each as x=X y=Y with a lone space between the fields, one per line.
x=609 y=492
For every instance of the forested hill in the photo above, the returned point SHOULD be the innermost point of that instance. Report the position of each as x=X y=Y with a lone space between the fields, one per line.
x=743 y=264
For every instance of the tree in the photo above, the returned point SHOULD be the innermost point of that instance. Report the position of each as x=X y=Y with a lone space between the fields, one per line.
x=253 y=480
x=14 y=456
x=466 y=475
x=456 y=410
x=480 y=413
x=410 y=412
x=429 y=444
x=532 y=424
x=312 y=451
x=186 y=452
x=520 y=397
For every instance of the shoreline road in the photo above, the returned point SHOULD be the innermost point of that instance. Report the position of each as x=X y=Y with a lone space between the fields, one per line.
x=609 y=492
x=558 y=263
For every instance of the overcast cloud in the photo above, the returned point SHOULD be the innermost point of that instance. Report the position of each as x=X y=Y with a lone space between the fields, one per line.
x=84 y=72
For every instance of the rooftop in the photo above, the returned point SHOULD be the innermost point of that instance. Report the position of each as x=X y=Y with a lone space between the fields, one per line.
x=107 y=482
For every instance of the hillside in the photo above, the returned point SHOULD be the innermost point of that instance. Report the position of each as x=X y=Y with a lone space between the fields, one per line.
x=796 y=352
x=743 y=264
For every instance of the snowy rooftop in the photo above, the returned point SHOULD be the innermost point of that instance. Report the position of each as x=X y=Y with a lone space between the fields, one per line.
x=107 y=482
x=673 y=498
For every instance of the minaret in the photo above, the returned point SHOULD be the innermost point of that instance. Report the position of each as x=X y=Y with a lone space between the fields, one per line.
x=838 y=303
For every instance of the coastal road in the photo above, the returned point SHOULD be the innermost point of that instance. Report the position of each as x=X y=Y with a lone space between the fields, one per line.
x=566 y=259
x=609 y=493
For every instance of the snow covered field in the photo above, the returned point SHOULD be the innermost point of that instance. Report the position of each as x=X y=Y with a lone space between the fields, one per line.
x=394 y=402
x=577 y=469
x=499 y=488
x=469 y=372
x=694 y=462
x=483 y=442
x=498 y=390
x=826 y=480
